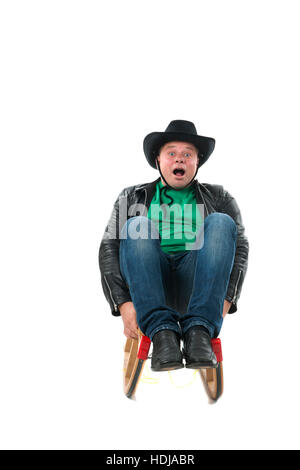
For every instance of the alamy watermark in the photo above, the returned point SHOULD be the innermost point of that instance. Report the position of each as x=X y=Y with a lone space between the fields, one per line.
x=177 y=222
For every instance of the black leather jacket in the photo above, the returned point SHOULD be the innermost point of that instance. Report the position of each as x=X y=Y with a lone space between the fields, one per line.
x=138 y=199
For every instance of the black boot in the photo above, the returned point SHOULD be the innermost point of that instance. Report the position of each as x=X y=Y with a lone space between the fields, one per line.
x=166 y=353
x=198 y=352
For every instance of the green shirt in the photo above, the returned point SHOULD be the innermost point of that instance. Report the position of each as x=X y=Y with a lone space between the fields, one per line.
x=177 y=220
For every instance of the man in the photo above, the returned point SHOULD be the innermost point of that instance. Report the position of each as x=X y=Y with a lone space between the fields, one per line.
x=174 y=255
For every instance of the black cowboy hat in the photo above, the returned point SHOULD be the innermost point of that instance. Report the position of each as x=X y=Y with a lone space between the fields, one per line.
x=183 y=131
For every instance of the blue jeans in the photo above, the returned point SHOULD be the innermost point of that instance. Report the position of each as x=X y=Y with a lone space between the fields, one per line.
x=178 y=291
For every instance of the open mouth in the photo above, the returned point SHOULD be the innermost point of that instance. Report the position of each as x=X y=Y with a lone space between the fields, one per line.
x=179 y=172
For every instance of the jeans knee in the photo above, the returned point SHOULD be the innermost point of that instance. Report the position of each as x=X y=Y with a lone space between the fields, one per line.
x=139 y=227
x=221 y=222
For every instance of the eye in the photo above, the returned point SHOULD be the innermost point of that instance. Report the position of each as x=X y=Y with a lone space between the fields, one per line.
x=187 y=154
x=171 y=154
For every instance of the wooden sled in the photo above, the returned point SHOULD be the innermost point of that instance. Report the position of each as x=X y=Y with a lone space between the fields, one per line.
x=136 y=353
x=135 y=356
x=213 y=378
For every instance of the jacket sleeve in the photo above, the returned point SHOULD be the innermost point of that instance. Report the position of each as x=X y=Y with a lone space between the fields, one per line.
x=228 y=205
x=114 y=286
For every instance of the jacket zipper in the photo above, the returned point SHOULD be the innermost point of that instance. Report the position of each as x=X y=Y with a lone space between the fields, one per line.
x=236 y=287
x=110 y=293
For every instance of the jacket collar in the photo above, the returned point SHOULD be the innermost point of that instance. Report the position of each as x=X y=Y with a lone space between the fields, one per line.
x=150 y=191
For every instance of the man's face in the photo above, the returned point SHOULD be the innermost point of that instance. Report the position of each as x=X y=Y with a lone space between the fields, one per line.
x=178 y=163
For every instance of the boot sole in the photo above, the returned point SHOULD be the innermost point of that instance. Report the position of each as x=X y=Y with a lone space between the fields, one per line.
x=169 y=366
x=201 y=365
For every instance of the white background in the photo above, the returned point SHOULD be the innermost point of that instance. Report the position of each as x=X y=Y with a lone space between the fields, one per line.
x=82 y=83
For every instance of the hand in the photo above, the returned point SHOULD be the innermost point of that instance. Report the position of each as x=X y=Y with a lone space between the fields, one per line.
x=226 y=307
x=128 y=314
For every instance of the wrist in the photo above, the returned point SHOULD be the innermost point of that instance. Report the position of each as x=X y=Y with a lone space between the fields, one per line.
x=120 y=306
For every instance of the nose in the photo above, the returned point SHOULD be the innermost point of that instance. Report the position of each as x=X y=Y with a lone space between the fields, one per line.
x=179 y=158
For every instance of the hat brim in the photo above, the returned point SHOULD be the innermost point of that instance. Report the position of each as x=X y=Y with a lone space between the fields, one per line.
x=154 y=141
